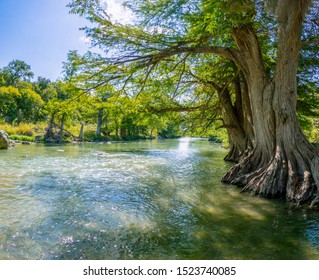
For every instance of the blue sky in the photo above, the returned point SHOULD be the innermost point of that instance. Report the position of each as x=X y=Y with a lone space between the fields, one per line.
x=39 y=32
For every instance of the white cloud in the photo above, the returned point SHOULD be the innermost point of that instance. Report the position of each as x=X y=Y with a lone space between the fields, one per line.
x=85 y=39
x=117 y=12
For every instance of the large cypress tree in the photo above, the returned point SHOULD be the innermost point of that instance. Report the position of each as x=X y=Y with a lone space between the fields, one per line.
x=263 y=39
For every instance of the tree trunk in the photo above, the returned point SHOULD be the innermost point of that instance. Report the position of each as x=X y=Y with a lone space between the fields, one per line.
x=117 y=129
x=62 y=128
x=81 y=132
x=283 y=162
x=99 y=123
x=236 y=134
x=237 y=121
x=123 y=132
x=49 y=132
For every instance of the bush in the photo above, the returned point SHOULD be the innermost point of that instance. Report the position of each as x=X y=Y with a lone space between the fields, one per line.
x=22 y=138
x=90 y=135
x=24 y=129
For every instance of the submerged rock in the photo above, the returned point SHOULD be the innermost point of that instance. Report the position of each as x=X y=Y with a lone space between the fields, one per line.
x=214 y=139
x=5 y=142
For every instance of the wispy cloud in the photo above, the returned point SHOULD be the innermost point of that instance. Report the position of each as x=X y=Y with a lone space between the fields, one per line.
x=117 y=12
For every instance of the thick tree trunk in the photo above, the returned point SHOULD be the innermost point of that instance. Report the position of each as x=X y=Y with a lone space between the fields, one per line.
x=237 y=120
x=235 y=131
x=283 y=162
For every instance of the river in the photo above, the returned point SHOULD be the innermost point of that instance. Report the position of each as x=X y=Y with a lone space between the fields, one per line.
x=159 y=199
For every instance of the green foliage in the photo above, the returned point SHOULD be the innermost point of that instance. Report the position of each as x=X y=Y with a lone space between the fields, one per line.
x=164 y=58
x=90 y=135
x=162 y=74
x=27 y=129
x=30 y=104
x=17 y=70
x=9 y=100
x=20 y=104
x=22 y=138
x=123 y=117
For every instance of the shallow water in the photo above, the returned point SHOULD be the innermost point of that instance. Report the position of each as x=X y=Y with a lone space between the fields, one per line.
x=159 y=199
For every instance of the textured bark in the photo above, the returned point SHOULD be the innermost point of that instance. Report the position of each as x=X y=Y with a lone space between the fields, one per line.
x=238 y=121
x=235 y=119
x=243 y=107
x=283 y=162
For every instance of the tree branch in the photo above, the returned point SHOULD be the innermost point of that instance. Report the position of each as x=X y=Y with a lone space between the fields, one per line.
x=175 y=109
x=166 y=53
x=314 y=41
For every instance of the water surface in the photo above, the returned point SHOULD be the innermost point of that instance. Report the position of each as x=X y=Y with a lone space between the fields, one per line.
x=159 y=199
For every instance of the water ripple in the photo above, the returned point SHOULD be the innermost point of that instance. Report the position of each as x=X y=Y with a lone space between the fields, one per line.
x=140 y=200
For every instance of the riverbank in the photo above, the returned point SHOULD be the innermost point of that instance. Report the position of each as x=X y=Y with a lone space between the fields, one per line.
x=36 y=133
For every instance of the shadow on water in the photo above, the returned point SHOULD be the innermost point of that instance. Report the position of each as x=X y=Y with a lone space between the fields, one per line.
x=253 y=231
x=144 y=201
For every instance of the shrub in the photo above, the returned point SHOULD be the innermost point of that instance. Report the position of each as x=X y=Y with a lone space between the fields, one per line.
x=22 y=138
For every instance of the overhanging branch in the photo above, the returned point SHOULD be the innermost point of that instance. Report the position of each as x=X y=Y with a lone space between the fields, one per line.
x=174 y=109
x=149 y=59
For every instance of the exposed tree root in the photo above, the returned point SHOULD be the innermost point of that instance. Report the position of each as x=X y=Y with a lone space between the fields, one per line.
x=289 y=173
x=234 y=154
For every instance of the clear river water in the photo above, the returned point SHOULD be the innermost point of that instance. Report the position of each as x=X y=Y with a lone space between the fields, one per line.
x=159 y=199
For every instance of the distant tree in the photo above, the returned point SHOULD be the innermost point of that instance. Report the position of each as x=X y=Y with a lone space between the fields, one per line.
x=70 y=66
x=9 y=98
x=30 y=104
x=15 y=71
x=41 y=83
x=20 y=104
x=65 y=108
x=45 y=88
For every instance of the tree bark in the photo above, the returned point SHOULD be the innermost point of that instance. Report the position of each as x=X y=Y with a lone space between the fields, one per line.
x=49 y=132
x=117 y=129
x=99 y=123
x=283 y=162
x=237 y=121
x=81 y=132
x=62 y=128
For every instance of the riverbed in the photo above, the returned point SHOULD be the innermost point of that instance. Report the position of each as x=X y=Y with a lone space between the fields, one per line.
x=159 y=199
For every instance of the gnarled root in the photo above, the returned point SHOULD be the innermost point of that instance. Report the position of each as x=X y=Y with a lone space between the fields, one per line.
x=292 y=174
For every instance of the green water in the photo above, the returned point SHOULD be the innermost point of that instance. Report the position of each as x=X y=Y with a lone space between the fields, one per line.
x=158 y=199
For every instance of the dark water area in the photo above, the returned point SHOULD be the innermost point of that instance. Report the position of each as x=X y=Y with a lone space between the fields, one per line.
x=159 y=199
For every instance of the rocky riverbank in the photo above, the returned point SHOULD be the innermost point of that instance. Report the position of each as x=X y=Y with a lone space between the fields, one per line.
x=5 y=142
